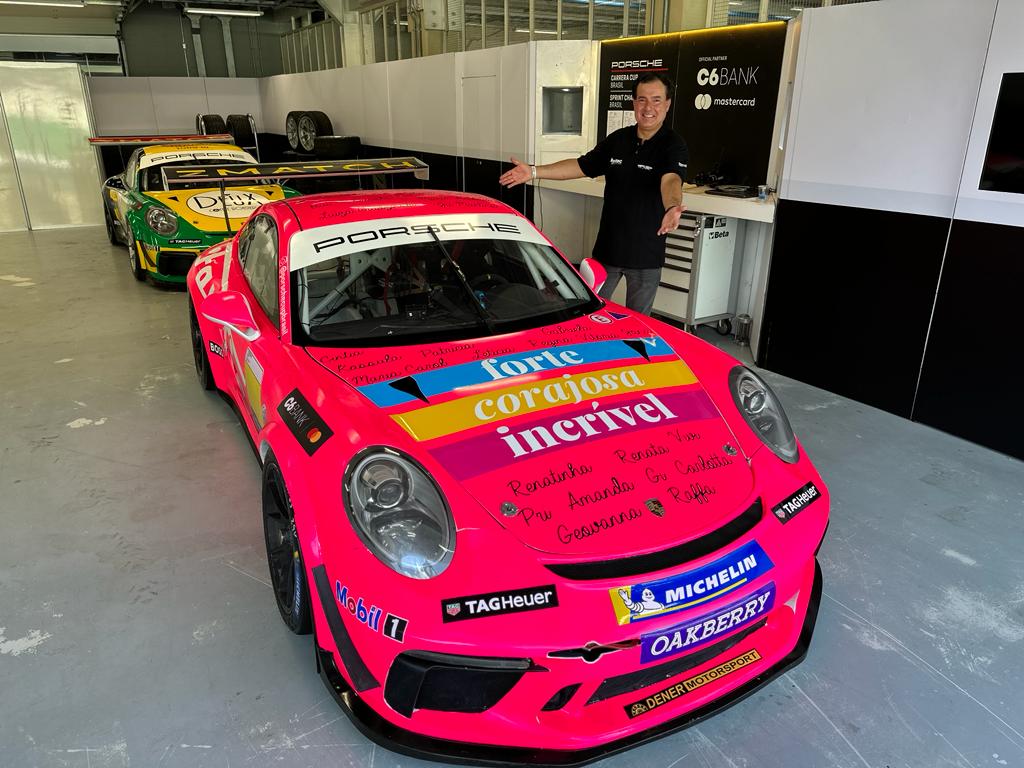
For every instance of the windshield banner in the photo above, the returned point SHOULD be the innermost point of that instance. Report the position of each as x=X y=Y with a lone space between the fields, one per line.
x=311 y=246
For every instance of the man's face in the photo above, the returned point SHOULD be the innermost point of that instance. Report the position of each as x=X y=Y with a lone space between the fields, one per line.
x=651 y=105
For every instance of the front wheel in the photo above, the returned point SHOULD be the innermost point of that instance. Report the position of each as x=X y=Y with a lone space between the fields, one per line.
x=134 y=260
x=199 y=353
x=287 y=574
x=108 y=220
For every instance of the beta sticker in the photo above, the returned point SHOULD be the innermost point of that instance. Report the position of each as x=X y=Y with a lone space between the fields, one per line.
x=673 y=692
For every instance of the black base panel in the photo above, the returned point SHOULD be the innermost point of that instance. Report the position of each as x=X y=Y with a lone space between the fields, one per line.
x=966 y=385
x=389 y=736
x=850 y=293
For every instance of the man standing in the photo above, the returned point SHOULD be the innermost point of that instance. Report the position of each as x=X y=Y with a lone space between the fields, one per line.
x=644 y=166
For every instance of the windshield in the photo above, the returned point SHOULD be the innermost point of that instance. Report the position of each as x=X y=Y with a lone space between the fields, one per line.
x=433 y=291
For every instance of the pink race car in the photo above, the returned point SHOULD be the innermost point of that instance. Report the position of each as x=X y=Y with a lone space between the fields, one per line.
x=525 y=525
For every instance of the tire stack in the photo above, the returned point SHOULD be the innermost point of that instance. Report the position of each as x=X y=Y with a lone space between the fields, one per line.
x=209 y=124
x=302 y=129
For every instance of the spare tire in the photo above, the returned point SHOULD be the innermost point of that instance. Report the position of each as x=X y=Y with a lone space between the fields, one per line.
x=311 y=125
x=291 y=129
x=241 y=129
x=207 y=124
x=337 y=147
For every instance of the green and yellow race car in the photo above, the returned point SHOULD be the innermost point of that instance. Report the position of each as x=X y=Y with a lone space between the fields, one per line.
x=165 y=229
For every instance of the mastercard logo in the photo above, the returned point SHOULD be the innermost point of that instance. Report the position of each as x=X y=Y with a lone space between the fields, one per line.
x=313 y=435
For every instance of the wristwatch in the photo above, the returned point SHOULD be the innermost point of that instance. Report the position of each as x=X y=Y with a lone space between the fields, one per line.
x=533 y=171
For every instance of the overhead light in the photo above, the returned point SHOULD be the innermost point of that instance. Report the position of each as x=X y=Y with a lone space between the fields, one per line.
x=103 y=2
x=796 y=9
x=538 y=31
x=49 y=3
x=735 y=2
x=222 y=12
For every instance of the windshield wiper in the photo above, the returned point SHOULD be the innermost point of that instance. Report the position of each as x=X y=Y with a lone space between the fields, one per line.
x=474 y=302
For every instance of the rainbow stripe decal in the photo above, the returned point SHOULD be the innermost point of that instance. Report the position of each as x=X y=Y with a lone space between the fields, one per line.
x=429 y=384
x=495 y=406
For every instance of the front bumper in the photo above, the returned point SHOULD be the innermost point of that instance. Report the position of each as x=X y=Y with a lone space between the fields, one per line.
x=169 y=264
x=398 y=739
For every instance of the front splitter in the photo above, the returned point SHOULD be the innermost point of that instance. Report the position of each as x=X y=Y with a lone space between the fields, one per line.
x=396 y=739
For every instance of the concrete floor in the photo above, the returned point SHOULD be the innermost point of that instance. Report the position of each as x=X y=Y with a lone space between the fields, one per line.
x=137 y=626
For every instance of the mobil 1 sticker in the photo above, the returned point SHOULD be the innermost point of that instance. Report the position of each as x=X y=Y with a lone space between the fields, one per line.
x=705 y=629
x=789 y=508
x=309 y=429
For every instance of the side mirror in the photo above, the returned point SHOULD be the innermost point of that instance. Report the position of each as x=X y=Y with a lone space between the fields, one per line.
x=593 y=274
x=116 y=182
x=230 y=309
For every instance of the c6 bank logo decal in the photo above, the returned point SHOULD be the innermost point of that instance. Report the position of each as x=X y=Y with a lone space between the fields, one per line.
x=309 y=429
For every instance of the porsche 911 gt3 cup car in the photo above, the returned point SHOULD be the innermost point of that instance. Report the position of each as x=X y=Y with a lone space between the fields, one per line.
x=166 y=229
x=524 y=524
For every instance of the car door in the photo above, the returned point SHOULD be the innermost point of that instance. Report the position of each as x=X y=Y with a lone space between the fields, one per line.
x=249 y=358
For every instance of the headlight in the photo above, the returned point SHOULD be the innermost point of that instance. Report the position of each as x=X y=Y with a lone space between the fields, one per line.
x=399 y=513
x=763 y=412
x=161 y=220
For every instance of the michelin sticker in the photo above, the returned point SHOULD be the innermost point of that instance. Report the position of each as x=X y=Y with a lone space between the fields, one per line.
x=705 y=629
x=685 y=590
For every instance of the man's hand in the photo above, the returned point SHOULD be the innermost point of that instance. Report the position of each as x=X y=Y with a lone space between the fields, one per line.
x=519 y=173
x=670 y=221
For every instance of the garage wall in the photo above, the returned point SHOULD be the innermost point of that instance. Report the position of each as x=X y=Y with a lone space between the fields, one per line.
x=891 y=273
x=152 y=105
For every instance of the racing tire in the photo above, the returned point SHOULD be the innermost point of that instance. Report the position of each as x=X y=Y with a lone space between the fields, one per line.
x=287 y=572
x=311 y=125
x=111 y=230
x=207 y=124
x=241 y=130
x=337 y=147
x=200 y=355
x=291 y=129
x=138 y=270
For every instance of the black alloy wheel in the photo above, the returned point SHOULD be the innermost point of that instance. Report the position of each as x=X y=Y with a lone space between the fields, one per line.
x=199 y=353
x=310 y=125
x=287 y=573
x=134 y=259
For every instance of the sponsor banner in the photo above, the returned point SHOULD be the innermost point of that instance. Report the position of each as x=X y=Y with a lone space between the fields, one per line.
x=445 y=380
x=673 y=692
x=695 y=633
x=789 y=508
x=484 y=453
x=311 y=246
x=239 y=203
x=392 y=626
x=303 y=422
x=498 y=603
x=535 y=397
x=190 y=153
x=685 y=590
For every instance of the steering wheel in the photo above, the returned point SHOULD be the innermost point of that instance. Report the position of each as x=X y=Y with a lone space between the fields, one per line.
x=487 y=281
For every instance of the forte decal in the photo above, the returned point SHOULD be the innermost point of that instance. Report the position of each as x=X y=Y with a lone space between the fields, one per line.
x=685 y=590
x=495 y=368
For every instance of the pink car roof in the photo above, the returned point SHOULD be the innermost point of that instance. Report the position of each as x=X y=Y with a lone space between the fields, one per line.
x=323 y=209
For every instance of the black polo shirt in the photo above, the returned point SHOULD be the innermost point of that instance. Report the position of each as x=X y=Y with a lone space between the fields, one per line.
x=633 y=208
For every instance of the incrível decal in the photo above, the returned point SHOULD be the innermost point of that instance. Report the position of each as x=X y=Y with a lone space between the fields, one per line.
x=673 y=692
x=303 y=422
x=788 y=509
x=685 y=590
x=497 y=603
x=682 y=638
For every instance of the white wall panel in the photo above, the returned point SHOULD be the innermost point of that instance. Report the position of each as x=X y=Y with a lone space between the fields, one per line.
x=565 y=64
x=376 y=105
x=516 y=98
x=883 y=102
x=1005 y=54
x=423 y=103
x=234 y=96
x=176 y=102
x=122 y=105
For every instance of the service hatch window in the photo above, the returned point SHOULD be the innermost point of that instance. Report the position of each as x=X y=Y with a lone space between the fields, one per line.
x=260 y=264
x=405 y=281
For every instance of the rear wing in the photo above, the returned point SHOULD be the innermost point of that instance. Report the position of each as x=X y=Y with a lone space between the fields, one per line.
x=217 y=174
x=210 y=138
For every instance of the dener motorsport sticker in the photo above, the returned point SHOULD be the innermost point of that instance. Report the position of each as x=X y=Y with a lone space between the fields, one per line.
x=673 y=692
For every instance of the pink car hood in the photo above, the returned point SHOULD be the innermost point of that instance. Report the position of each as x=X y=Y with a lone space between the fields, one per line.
x=589 y=438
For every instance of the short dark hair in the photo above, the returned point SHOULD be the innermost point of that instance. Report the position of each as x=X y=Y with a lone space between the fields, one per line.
x=656 y=77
